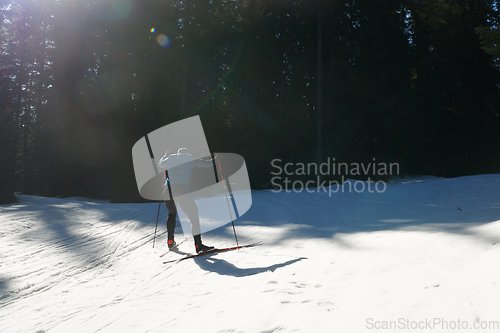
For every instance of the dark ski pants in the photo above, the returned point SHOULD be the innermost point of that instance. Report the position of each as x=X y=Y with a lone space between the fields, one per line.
x=189 y=207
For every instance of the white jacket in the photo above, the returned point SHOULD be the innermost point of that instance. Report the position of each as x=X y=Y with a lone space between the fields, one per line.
x=179 y=167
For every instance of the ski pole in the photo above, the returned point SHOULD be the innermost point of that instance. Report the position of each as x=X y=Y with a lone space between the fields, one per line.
x=164 y=176
x=228 y=207
x=157 y=216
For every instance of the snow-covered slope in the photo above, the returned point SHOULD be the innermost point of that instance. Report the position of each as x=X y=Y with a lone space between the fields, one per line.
x=423 y=254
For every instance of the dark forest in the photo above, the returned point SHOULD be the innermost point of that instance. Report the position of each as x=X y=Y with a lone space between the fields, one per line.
x=413 y=82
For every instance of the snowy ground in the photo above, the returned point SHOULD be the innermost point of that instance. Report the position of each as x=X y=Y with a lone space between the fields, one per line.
x=422 y=255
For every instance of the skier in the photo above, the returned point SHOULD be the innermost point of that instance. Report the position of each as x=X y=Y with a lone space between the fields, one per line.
x=179 y=168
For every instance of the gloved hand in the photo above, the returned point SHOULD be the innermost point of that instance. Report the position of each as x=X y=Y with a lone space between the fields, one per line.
x=167 y=153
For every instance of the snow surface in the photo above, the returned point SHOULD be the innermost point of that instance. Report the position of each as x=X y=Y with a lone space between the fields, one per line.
x=426 y=249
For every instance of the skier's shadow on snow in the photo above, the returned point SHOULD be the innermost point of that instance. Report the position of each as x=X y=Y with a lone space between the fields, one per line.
x=222 y=267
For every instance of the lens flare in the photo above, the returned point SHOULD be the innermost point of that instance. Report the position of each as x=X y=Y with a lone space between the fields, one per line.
x=152 y=30
x=163 y=40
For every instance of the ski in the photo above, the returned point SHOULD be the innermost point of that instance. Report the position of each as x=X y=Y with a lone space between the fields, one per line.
x=212 y=252
x=176 y=246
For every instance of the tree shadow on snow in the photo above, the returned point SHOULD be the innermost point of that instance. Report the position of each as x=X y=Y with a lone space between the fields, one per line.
x=453 y=205
x=3 y=287
x=87 y=233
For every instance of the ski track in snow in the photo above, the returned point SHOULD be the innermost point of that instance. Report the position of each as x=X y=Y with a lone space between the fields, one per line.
x=425 y=248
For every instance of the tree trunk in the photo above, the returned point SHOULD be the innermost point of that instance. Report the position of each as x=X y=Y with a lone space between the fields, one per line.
x=319 y=100
x=184 y=86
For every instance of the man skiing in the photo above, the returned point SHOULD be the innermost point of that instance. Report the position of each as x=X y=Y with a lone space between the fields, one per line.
x=179 y=167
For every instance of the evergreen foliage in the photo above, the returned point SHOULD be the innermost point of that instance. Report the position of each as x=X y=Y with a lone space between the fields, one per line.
x=403 y=81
